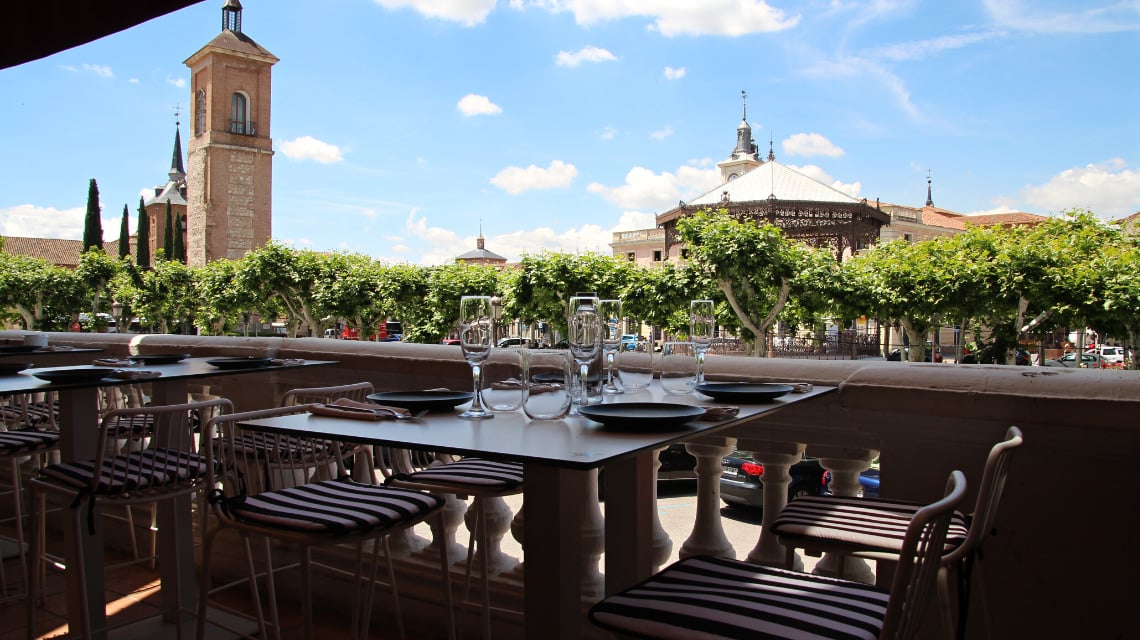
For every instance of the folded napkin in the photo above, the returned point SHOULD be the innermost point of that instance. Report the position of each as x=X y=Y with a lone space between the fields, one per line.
x=712 y=414
x=536 y=389
x=134 y=375
x=800 y=387
x=507 y=385
x=58 y=347
x=345 y=408
x=280 y=362
x=114 y=362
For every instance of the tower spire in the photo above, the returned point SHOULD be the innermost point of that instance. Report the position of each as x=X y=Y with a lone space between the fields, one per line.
x=771 y=151
x=231 y=16
x=929 y=199
x=177 y=169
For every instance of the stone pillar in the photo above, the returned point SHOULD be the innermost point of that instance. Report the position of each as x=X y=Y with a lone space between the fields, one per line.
x=777 y=458
x=708 y=536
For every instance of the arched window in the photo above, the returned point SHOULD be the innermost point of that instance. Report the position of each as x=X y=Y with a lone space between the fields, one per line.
x=200 y=113
x=239 y=115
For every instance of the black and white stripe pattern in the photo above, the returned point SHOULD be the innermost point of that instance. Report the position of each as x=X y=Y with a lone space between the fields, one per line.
x=333 y=506
x=866 y=523
x=31 y=413
x=135 y=471
x=471 y=473
x=27 y=441
x=705 y=597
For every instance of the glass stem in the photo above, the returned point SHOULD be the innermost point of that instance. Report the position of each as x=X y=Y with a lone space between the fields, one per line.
x=700 y=366
x=583 y=371
x=477 y=401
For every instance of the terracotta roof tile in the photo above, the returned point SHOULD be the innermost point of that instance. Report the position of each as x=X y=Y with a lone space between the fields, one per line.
x=57 y=251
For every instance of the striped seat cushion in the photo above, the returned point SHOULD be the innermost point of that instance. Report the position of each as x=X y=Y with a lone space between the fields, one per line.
x=281 y=448
x=705 y=597
x=471 y=473
x=34 y=412
x=864 y=523
x=135 y=471
x=333 y=506
x=27 y=441
x=131 y=425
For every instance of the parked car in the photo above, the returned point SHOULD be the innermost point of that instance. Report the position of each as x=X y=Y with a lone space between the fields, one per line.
x=511 y=342
x=741 y=480
x=629 y=342
x=1110 y=356
x=1069 y=360
x=451 y=341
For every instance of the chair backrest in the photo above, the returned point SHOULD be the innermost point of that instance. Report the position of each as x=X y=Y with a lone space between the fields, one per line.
x=155 y=445
x=357 y=391
x=241 y=461
x=919 y=562
x=989 y=494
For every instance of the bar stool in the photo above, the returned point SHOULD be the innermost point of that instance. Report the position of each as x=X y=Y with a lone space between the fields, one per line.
x=130 y=467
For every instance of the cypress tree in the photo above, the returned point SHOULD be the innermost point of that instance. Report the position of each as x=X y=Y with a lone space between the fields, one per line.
x=179 y=246
x=125 y=234
x=143 y=249
x=168 y=236
x=92 y=225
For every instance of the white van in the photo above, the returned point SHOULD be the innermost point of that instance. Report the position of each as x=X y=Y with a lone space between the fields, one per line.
x=1110 y=355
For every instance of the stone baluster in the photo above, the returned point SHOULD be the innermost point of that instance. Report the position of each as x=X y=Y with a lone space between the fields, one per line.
x=707 y=537
x=662 y=544
x=497 y=517
x=845 y=466
x=777 y=458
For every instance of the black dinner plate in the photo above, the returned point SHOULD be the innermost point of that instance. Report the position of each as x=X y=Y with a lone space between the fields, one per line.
x=642 y=415
x=77 y=374
x=744 y=391
x=19 y=348
x=158 y=358
x=10 y=368
x=419 y=400
x=239 y=363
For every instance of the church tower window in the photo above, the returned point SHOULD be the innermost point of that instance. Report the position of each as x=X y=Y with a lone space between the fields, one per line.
x=200 y=112
x=239 y=115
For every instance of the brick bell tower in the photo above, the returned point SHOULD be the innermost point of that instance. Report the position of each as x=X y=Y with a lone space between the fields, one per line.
x=230 y=152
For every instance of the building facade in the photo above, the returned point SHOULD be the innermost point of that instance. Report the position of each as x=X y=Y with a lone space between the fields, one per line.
x=230 y=158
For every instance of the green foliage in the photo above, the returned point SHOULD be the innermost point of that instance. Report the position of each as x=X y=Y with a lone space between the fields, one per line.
x=178 y=243
x=142 y=249
x=125 y=235
x=544 y=283
x=42 y=294
x=168 y=235
x=92 y=222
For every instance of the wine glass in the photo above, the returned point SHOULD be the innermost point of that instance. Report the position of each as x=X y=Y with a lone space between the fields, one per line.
x=476 y=329
x=702 y=326
x=585 y=338
x=609 y=314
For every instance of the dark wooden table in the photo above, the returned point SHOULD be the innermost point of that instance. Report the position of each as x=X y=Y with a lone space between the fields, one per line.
x=557 y=455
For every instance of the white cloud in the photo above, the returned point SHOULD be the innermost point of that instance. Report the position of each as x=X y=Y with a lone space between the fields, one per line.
x=1106 y=18
x=101 y=70
x=176 y=82
x=585 y=54
x=810 y=144
x=662 y=133
x=646 y=190
x=812 y=171
x=609 y=133
x=133 y=81
x=995 y=211
x=1109 y=189
x=515 y=180
x=674 y=74
x=309 y=148
x=678 y=17
x=476 y=105
x=918 y=50
x=30 y=221
x=466 y=12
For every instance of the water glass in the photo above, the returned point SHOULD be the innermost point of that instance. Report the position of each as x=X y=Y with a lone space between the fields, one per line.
x=547 y=378
x=585 y=340
x=678 y=367
x=702 y=327
x=609 y=314
x=503 y=387
x=634 y=366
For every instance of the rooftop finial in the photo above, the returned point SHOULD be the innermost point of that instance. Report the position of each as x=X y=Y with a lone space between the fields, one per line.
x=231 y=16
x=771 y=149
x=929 y=199
x=744 y=97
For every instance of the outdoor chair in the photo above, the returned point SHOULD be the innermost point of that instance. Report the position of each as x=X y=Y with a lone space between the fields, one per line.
x=145 y=466
x=873 y=529
x=709 y=597
x=481 y=479
x=302 y=511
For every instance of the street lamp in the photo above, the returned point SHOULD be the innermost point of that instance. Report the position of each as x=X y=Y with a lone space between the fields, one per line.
x=117 y=314
x=496 y=314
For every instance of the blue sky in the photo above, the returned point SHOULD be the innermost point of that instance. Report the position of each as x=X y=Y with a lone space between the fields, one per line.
x=401 y=126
